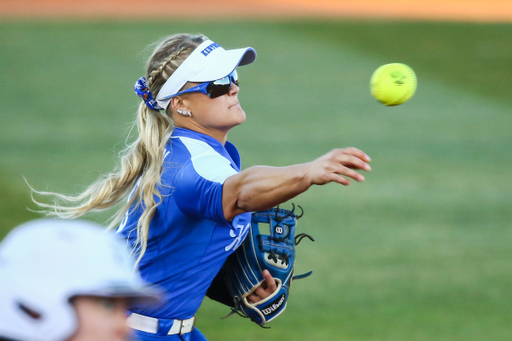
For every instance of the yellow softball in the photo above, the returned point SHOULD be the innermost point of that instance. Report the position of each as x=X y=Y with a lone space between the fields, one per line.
x=393 y=84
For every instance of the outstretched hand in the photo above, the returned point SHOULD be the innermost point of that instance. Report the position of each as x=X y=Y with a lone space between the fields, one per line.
x=338 y=165
x=266 y=289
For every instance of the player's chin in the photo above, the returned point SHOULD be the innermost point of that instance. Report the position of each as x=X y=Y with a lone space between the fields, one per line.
x=238 y=114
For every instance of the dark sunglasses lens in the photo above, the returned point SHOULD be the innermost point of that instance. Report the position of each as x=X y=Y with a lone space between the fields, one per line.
x=220 y=87
x=217 y=90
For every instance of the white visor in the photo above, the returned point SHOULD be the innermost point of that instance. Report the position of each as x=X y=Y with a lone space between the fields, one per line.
x=208 y=62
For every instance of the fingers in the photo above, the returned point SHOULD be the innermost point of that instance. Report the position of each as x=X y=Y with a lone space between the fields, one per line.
x=339 y=166
x=345 y=161
x=253 y=298
x=271 y=282
x=352 y=158
x=357 y=153
x=257 y=295
x=339 y=176
x=266 y=288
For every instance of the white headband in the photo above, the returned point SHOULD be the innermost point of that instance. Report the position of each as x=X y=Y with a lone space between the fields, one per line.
x=208 y=62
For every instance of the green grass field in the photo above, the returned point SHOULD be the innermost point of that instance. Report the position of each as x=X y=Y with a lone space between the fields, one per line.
x=420 y=251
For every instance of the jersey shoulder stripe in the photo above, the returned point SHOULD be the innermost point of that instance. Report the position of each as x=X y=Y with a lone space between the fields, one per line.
x=207 y=163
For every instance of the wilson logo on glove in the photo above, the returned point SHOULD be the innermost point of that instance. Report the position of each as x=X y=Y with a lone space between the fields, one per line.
x=278 y=303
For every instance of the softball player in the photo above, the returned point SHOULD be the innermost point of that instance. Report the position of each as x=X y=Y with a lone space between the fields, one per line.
x=63 y=280
x=189 y=203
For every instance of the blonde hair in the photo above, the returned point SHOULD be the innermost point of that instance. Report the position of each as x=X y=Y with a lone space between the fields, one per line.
x=138 y=174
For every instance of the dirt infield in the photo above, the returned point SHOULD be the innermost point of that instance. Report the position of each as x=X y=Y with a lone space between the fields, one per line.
x=458 y=10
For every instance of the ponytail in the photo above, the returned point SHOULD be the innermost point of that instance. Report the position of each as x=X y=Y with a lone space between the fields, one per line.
x=138 y=174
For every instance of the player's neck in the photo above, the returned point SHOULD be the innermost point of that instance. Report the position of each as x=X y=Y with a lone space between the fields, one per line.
x=220 y=135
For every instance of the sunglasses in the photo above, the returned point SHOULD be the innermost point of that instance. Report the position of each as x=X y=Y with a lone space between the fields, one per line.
x=213 y=89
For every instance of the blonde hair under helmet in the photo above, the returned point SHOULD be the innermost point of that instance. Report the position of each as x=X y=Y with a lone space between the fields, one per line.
x=46 y=262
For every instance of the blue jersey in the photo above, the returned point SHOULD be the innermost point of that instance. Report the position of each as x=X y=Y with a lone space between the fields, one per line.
x=189 y=238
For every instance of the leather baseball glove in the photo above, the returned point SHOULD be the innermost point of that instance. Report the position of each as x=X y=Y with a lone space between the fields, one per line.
x=242 y=274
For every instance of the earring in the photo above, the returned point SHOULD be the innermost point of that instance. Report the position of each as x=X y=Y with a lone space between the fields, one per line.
x=186 y=113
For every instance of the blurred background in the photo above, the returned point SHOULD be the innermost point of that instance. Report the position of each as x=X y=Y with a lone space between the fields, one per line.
x=422 y=250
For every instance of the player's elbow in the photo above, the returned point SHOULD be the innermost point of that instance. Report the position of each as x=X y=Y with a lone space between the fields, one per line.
x=243 y=202
x=237 y=203
x=231 y=197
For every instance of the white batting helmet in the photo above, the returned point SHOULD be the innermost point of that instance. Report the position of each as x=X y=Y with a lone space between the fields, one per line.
x=46 y=262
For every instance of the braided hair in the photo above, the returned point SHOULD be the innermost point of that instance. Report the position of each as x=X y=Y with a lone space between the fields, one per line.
x=138 y=174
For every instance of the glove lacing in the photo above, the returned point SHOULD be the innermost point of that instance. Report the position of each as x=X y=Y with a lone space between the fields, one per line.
x=237 y=310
